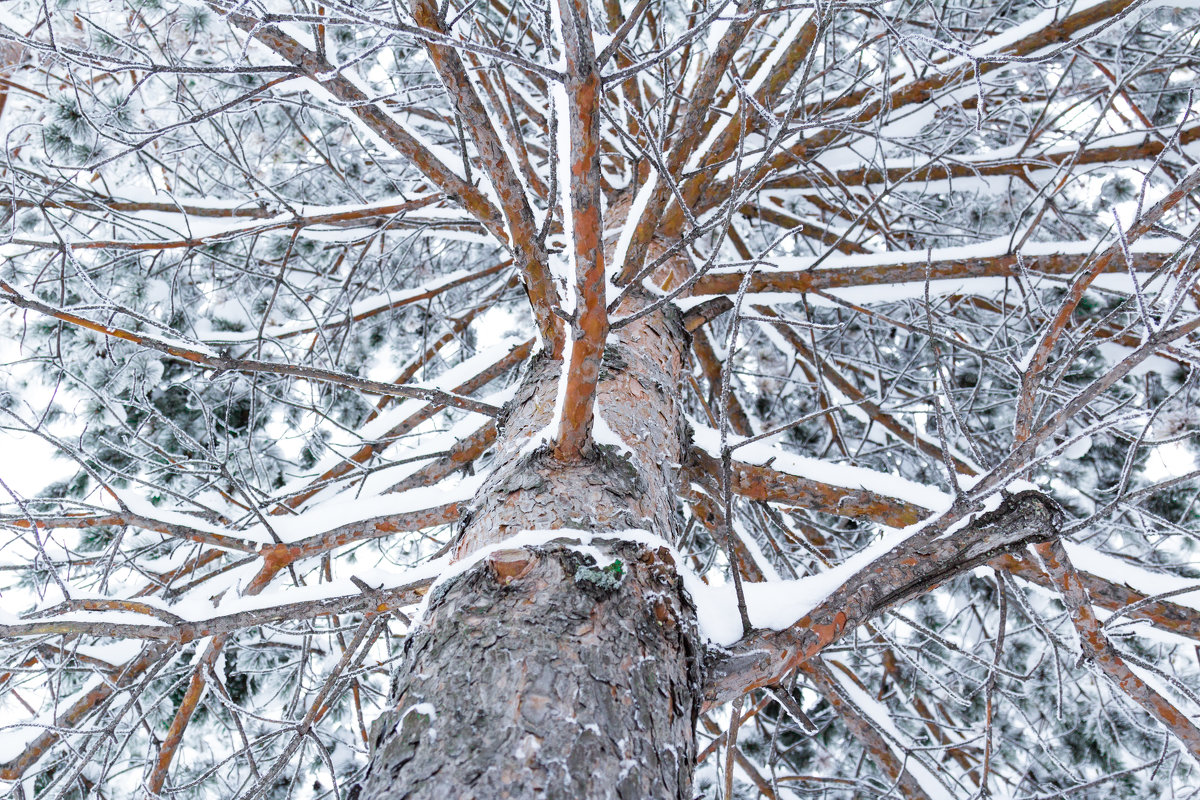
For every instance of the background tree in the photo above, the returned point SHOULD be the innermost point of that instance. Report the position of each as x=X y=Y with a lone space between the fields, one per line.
x=803 y=391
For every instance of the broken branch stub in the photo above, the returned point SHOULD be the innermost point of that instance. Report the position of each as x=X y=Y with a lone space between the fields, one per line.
x=915 y=566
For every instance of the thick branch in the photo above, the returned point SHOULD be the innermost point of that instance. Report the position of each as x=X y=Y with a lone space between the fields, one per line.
x=318 y=69
x=691 y=132
x=183 y=716
x=494 y=159
x=1114 y=597
x=1098 y=650
x=770 y=485
x=376 y=216
x=590 y=328
x=790 y=62
x=911 y=568
x=349 y=217
x=380 y=441
x=458 y=457
x=121 y=518
x=950 y=168
x=764 y=483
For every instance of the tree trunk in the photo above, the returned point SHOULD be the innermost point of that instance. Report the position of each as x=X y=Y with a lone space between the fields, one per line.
x=540 y=671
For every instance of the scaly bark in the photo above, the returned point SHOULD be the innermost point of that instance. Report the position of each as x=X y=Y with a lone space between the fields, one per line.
x=538 y=672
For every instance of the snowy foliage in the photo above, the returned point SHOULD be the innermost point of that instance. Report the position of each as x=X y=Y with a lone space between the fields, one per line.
x=989 y=215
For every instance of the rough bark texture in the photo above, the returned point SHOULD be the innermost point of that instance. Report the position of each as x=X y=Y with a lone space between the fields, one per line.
x=563 y=681
x=608 y=488
x=539 y=672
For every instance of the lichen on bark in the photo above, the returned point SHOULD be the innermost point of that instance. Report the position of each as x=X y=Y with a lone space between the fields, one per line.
x=551 y=673
x=547 y=686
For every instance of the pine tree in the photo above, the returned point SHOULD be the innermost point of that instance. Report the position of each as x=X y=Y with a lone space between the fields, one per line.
x=659 y=399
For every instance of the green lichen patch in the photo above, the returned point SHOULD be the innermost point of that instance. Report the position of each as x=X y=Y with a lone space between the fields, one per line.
x=604 y=579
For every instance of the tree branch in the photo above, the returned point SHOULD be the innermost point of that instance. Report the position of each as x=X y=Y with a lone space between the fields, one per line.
x=771 y=485
x=948 y=168
x=861 y=728
x=1098 y=651
x=921 y=90
x=151 y=658
x=916 y=271
x=691 y=132
x=189 y=630
x=223 y=363
x=526 y=250
x=590 y=325
x=913 y=567
x=493 y=157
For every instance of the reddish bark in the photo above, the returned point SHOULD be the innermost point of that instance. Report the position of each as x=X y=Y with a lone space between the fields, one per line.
x=727 y=283
x=590 y=325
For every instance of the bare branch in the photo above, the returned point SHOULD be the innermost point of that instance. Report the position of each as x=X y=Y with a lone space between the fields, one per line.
x=915 y=566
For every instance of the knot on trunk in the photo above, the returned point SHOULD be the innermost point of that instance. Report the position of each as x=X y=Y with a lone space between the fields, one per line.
x=1031 y=505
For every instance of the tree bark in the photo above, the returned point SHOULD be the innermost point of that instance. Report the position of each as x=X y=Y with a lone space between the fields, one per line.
x=550 y=684
x=540 y=671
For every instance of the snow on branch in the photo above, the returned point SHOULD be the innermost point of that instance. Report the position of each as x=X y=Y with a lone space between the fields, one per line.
x=946 y=274
x=129 y=619
x=963 y=170
x=1099 y=651
x=873 y=584
x=206 y=358
x=495 y=156
x=776 y=486
x=584 y=227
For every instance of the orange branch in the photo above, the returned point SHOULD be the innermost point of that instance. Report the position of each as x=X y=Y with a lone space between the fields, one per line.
x=1099 y=651
x=1005 y=266
x=691 y=131
x=78 y=711
x=862 y=729
x=527 y=246
x=771 y=485
x=590 y=328
x=187 y=707
x=1009 y=167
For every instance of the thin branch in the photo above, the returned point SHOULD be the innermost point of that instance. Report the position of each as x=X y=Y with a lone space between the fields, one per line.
x=222 y=363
